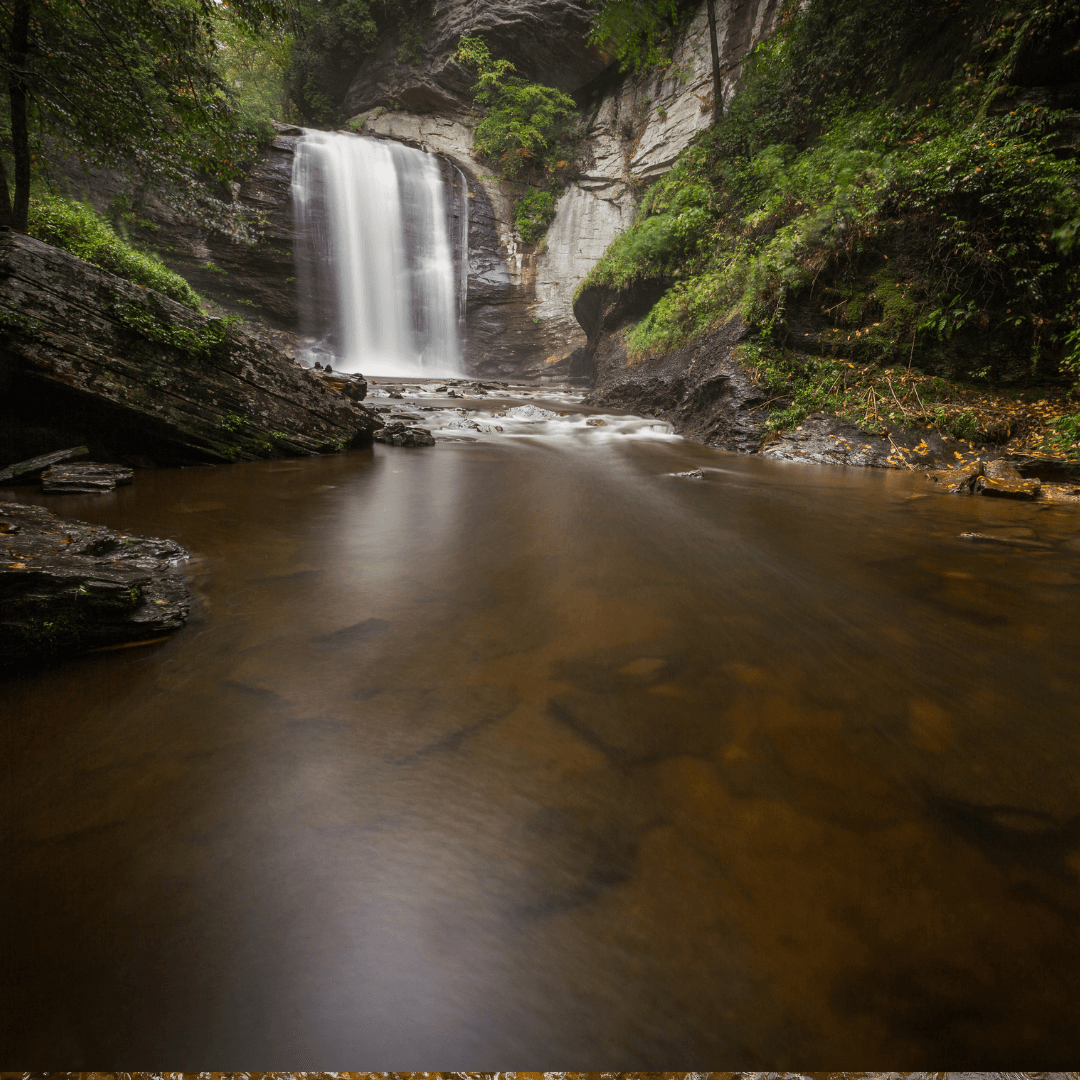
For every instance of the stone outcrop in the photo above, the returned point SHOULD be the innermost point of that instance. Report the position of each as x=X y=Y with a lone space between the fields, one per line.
x=252 y=281
x=543 y=39
x=67 y=586
x=89 y=358
x=700 y=389
x=636 y=132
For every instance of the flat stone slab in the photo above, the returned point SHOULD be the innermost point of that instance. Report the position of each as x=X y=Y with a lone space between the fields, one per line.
x=85 y=477
x=1007 y=489
x=68 y=586
x=25 y=471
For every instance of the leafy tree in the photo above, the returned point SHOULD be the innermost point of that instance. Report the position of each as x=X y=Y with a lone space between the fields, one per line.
x=638 y=31
x=252 y=65
x=127 y=82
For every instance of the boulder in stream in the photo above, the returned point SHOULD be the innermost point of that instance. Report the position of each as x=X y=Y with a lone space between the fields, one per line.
x=68 y=586
x=85 y=477
x=395 y=434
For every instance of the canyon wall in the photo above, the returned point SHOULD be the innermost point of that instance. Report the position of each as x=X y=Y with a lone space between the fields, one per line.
x=521 y=315
x=519 y=320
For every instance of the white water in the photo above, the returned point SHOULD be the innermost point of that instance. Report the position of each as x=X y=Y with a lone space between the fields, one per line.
x=377 y=288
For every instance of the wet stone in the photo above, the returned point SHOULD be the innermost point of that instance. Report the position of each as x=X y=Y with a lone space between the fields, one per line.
x=1000 y=469
x=958 y=480
x=31 y=469
x=692 y=474
x=400 y=435
x=87 y=477
x=67 y=586
x=1007 y=489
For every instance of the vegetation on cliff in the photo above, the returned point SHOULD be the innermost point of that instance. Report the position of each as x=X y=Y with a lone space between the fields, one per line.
x=74 y=227
x=529 y=132
x=884 y=191
x=331 y=37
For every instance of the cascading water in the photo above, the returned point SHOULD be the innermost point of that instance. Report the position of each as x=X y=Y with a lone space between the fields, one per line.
x=375 y=263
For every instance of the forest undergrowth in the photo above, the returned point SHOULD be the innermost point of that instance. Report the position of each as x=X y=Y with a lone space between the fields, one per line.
x=897 y=222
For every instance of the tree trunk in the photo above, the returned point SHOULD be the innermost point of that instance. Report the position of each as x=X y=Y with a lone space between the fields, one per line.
x=20 y=44
x=5 y=196
x=717 y=86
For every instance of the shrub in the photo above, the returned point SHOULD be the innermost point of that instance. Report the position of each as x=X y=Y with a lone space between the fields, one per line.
x=533 y=214
x=75 y=227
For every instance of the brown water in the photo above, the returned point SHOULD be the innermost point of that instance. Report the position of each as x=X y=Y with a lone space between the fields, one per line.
x=522 y=752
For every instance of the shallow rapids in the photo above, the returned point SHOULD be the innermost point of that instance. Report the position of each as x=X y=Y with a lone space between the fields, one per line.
x=525 y=749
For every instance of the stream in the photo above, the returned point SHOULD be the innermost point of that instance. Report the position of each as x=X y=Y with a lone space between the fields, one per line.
x=525 y=751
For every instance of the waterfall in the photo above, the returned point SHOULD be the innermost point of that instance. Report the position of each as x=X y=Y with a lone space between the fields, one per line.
x=375 y=267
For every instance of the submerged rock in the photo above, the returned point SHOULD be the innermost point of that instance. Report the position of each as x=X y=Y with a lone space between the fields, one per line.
x=68 y=586
x=958 y=480
x=1005 y=540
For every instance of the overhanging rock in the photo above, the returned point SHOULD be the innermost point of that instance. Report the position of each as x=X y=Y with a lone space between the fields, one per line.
x=89 y=358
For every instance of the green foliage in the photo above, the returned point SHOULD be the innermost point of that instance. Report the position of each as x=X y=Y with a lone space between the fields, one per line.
x=525 y=123
x=533 y=214
x=138 y=84
x=152 y=322
x=938 y=233
x=639 y=32
x=529 y=133
x=75 y=227
x=331 y=38
x=1065 y=433
x=252 y=67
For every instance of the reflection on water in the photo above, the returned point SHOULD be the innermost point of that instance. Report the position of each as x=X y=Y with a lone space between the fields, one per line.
x=525 y=751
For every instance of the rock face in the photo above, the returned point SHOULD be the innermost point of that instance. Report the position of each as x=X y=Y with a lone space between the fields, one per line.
x=700 y=389
x=520 y=313
x=250 y=281
x=544 y=39
x=66 y=586
x=90 y=358
x=637 y=130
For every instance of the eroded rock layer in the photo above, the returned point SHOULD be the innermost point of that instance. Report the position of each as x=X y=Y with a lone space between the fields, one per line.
x=89 y=358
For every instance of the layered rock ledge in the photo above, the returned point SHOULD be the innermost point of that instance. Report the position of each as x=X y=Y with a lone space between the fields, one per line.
x=68 y=586
x=87 y=357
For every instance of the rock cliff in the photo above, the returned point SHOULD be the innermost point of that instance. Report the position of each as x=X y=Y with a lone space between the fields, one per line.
x=638 y=127
x=522 y=315
x=519 y=318
x=89 y=358
x=249 y=281
x=544 y=40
